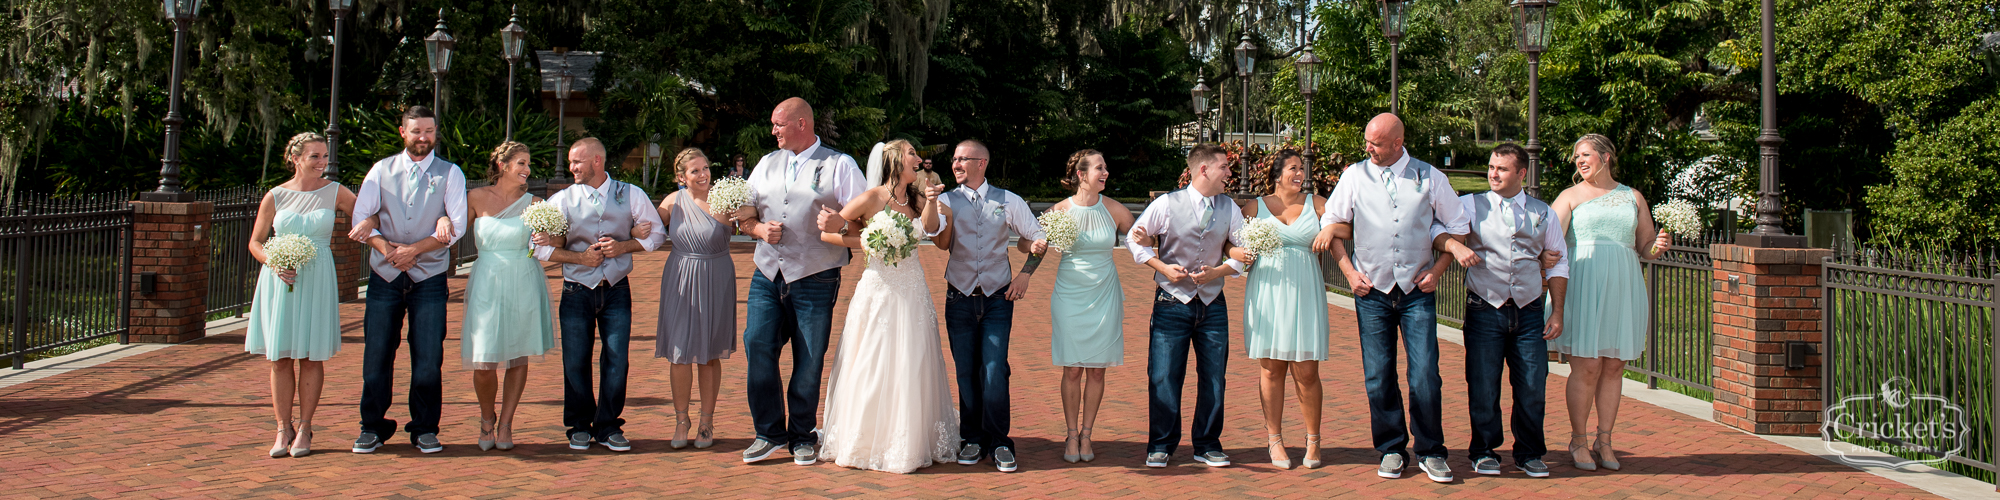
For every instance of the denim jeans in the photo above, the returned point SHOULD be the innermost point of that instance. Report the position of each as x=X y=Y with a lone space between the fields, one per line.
x=799 y=313
x=1176 y=327
x=389 y=303
x=1381 y=315
x=1510 y=335
x=979 y=328
x=589 y=316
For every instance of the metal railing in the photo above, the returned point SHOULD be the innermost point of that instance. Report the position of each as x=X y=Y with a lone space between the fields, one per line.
x=63 y=264
x=232 y=272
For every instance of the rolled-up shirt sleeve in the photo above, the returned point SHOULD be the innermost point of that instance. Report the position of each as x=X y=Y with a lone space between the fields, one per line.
x=543 y=252
x=1446 y=207
x=367 y=199
x=1022 y=218
x=644 y=212
x=1235 y=238
x=1151 y=220
x=454 y=202
x=1340 y=205
x=1438 y=228
x=1552 y=239
x=845 y=179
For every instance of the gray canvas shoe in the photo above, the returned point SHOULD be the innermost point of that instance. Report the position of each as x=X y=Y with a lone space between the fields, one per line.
x=579 y=441
x=616 y=442
x=1436 y=469
x=759 y=450
x=367 y=443
x=969 y=454
x=1534 y=467
x=803 y=454
x=1156 y=459
x=1486 y=465
x=1003 y=458
x=428 y=443
x=1392 y=466
x=1213 y=458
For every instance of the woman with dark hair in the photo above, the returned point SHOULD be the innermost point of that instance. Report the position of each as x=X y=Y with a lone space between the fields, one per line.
x=697 y=326
x=507 y=319
x=1284 y=323
x=1087 y=311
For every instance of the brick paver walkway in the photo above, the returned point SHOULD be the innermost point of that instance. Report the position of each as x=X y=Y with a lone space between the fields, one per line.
x=195 y=420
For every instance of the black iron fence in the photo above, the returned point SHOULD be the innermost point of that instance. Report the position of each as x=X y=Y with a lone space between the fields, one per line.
x=232 y=272
x=62 y=271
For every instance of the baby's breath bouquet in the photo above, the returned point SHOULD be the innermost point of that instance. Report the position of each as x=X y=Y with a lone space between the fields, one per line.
x=1060 y=229
x=289 y=252
x=1679 y=217
x=728 y=194
x=544 y=217
x=890 y=236
x=1260 y=236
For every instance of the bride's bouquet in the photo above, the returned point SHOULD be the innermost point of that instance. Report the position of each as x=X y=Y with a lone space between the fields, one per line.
x=1679 y=217
x=890 y=236
x=1059 y=226
x=1260 y=236
x=289 y=252
x=543 y=217
x=727 y=195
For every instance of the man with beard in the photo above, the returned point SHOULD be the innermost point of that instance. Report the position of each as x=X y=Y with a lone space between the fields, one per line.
x=397 y=214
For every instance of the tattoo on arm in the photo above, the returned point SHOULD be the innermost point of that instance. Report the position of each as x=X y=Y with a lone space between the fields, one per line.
x=1034 y=261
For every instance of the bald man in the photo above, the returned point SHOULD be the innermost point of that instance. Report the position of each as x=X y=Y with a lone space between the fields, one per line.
x=1392 y=200
x=596 y=307
x=798 y=275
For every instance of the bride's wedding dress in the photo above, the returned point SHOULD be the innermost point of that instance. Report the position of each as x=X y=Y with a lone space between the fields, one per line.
x=889 y=405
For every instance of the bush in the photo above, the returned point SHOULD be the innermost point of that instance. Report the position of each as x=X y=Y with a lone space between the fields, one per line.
x=1946 y=186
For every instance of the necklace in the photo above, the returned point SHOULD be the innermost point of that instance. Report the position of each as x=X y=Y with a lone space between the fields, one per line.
x=892 y=197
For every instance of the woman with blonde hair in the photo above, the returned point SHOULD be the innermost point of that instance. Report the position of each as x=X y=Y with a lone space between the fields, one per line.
x=697 y=326
x=296 y=313
x=507 y=319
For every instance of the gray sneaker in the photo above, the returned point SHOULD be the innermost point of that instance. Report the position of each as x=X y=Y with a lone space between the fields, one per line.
x=1003 y=457
x=1486 y=465
x=759 y=450
x=969 y=454
x=1436 y=469
x=1212 y=458
x=1534 y=467
x=428 y=443
x=1156 y=459
x=367 y=443
x=579 y=441
x=616 y=442
x=1392 y=466
x=803 y=454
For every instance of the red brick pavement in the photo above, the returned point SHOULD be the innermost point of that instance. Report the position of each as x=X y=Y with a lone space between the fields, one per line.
x=194 y=421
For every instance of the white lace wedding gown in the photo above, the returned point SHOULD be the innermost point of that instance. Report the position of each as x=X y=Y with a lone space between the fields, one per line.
x=889 y=405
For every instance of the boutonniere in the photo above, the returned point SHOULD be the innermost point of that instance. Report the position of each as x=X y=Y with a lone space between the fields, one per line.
x=433 y=186
x=1000 y=211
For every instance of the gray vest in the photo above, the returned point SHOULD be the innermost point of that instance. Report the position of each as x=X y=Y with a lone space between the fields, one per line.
x=1192 y=242
x=978 y=242
x=1392 y=241
x=410 y=211
x=799 y=252
x=587 y=223
x=1508 y=251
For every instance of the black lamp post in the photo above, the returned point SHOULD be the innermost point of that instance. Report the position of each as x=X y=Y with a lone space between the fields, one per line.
x=1307 y=67
x=511 y=41
x=563 y=80
x=1533 y=32
x=340 y=9
x=438 y=46
x=1394 y=13
x=1770 y=231
x=1246 y=63
x=181 y=12
x=1200 y=93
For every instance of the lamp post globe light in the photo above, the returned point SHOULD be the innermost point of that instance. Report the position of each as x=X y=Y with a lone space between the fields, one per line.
x=1394 y=13
x=438 y=47
x=340 y=9
x=1200 y=94
x=1770 y=231
x=1532 y=34
x=181 y=12
x=512 y=40
x=1307 y=66
x=1246 y=63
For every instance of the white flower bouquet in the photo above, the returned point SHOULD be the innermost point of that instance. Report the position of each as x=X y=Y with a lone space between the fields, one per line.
x=544 y=217
x=1260 y=236
x=1059 y=226
x=890 y=236
x=289 y=252
x=1680 y=217
x=727 y=195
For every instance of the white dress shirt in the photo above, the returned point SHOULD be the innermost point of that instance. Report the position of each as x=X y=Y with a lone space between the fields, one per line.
x=1020 y=217
x=843 y=178
x=1445 y=208
x=1154 y=221
x=368 y=199
x=1552 y=232
x=635 y=198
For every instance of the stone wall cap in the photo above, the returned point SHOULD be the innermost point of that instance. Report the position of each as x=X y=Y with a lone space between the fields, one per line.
x=173 y=208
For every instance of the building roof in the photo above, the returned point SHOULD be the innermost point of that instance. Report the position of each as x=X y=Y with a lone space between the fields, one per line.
x=582 y=69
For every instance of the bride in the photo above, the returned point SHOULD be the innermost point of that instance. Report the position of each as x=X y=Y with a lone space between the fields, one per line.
x=889 y=406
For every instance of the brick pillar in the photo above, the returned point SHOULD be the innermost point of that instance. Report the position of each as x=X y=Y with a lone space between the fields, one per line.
x=349 y=258
x=1763 y=298
x=170 y=240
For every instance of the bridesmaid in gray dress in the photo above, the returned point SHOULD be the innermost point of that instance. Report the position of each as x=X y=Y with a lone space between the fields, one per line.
x=697 y=325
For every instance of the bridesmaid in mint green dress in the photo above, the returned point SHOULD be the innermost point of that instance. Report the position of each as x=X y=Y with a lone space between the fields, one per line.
x=1284 y=321
x=295 y=314
x=1087 y=309
x=507 y=320
x=1609 y=228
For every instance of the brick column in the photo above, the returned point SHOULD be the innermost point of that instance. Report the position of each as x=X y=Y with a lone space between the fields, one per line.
x=349 y=260
x=1765 y=297
x=170 y=240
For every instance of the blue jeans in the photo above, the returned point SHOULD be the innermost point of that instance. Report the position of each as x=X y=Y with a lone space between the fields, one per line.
x=1176 y=327
x=799 y=313
x=1510 y=335
x=1381 y=315
x=389 y=303
x=589 y=315
x=979 y=327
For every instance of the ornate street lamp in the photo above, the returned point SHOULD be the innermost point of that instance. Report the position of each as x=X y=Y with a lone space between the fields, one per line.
x=1770 y=231
x=512 y=38
x=181 y=12
x=340 y=9
x=438 y=46
x=1307 y=66
x=1394 y=13
x=563 y=80
x=1200 y=93
x=1246 y=63
x=1532 y=34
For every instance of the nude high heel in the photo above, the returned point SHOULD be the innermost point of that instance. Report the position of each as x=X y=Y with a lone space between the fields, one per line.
x=1580 y=456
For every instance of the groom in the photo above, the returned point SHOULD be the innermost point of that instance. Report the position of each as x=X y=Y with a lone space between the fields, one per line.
x=979 y=300
x=797 y=277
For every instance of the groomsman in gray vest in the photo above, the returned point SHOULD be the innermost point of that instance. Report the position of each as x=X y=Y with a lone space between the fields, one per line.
x=981 y=287
x=1503 y=309
x=1195 y=229
x=407 y=195
x=596 y=299
x=798 y=276
x=1391 y=200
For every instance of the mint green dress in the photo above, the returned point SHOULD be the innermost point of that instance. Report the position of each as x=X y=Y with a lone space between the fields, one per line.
x=507 y=320
x=1087 y=310
x=1606 y=308
x=304 y=321
x=1285 y=315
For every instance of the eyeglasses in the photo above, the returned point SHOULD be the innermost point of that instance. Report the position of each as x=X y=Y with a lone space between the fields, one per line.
x=966 y=159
